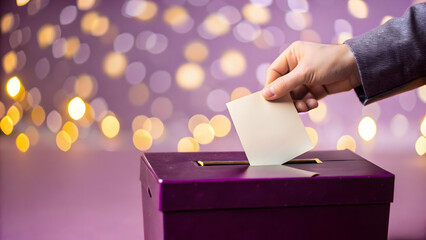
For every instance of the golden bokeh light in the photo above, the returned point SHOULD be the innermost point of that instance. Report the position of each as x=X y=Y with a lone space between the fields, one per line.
x=22 y=142
x=233 y=63
x=358 y=8
x=149 y=11
x=318 y=114
x=423 y=126
x=313 y=135
x=138 y=122
x=421 y=145
x=385 y=19
x=46 y=35
x=88 y=20
x=239 y=92
x=76 y=108
x=154 y=126
x=142 y=139
x=71 y=47
x=54 y=121
x=221 y=125
x=20 y=3
x=256 y=14
x=15 y=114
x=196 y=51
x=6 y=125
x=175 y=15
x=367 y=128
x=89 y=117
x=138 y=94
x=188 y=144
x=85 y=4
x=63 y=141
x=33 y=135
x=10 y=61
x=346 y=142
x=13 y=87
x=72 y=130
x=110 y=126
x=216 y=24
x=421 y=92
x=7 y=22
x=38 y=115
x=204 y=133
x=99 y=26
x=196 y=120
x=114 y=64
x=85 y=86
x=190 y=76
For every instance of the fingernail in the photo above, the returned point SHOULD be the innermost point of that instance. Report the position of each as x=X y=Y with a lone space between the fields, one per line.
x=268 y=92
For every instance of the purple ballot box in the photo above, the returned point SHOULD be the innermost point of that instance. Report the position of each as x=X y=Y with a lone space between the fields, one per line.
x=217 y=195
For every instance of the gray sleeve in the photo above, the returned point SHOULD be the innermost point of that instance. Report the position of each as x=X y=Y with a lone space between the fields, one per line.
x=392 y=57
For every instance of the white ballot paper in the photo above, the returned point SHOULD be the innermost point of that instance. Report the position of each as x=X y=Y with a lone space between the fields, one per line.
x=271 y=132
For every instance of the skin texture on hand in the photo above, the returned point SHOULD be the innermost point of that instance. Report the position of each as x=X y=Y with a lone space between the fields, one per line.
x=311 y=71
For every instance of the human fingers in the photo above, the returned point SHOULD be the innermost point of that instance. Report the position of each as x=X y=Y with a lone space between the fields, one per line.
x=284 y=84
x=299 y=92
x=305 y=105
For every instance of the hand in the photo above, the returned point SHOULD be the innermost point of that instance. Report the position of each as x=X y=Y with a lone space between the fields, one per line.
x=311 y=71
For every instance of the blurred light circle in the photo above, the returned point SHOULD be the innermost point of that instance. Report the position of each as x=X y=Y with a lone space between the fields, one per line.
x=342 y=25
x=422 y=126
x=298 y=5
x=216 y=70
x=421 y=92
x=297 y=20
x=156 y=43
x=198 y=3
x=10 y=61
x=275 y=36
x=261 y=73
x=6 y=125
x=59 y=47
x=20 y=3
x=358 y=8
x=85 y=4
x=204 y=133
x=310 y=35
x=22 y=142
x=246 y=31
x=138 y=122
x=160 y=81
x=15 y=114
x=133 y=8
x=346 y=142
x=318 y=114
x=233 y=63
x=399 y=125
x=72 y=130
x=367 y=128
x=190 y=76
x=100 y=107
x=15 y=39
x=313 y=135
x=7 y=22
x=47 y=34
x=175 y=15
x=26 y=35
x=256 y=13
x=83 y=54
x=99 y=26
x=32 y=135
x=87 y=21
x=373 y=110
x=138 y=94
x=110 y=126
x=342 y=37
x=135 y=72
x=196 y=120
x=217 y=99
x=142 y=139
x=42 y=68
x=85 y=86
x=63 y=141
x=408 y=100
x=185 y=27
x=262 y=3
x=72 y=46
x=216 y=25
x=231 y=14
x=22 y=60
x=13 y=86
x=421 y=145
x=68 y=15
x=123 y=42
x=162 y=108
x=188 y=144
x=148 y=12
x=196 y=51
x=38 y=115
x=154 y=126
x=221 y=125
x=385 y=19
x=239 y=92
x=114 y=64
x=142 y=38
x=54 y=121
x=76 y=108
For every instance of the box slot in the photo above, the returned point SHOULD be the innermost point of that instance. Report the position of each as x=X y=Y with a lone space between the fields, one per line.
x=205 y=163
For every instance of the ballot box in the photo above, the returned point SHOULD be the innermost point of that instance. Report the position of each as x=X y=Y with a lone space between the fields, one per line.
x=217 y=195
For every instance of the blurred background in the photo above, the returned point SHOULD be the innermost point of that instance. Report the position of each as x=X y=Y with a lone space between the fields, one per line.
x=140 y=75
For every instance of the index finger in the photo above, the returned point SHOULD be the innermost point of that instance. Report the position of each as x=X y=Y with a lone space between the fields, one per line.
x=278 y=68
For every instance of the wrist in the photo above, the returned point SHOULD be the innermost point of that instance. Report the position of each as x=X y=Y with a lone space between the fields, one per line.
x=351 y=66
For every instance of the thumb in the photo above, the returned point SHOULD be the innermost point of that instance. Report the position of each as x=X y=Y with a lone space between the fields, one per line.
x=284 y=84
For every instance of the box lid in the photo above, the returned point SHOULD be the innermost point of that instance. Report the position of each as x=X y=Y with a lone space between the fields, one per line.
x=176 y=182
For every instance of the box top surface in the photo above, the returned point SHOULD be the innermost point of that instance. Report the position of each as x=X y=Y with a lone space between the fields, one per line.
x=177 y=182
